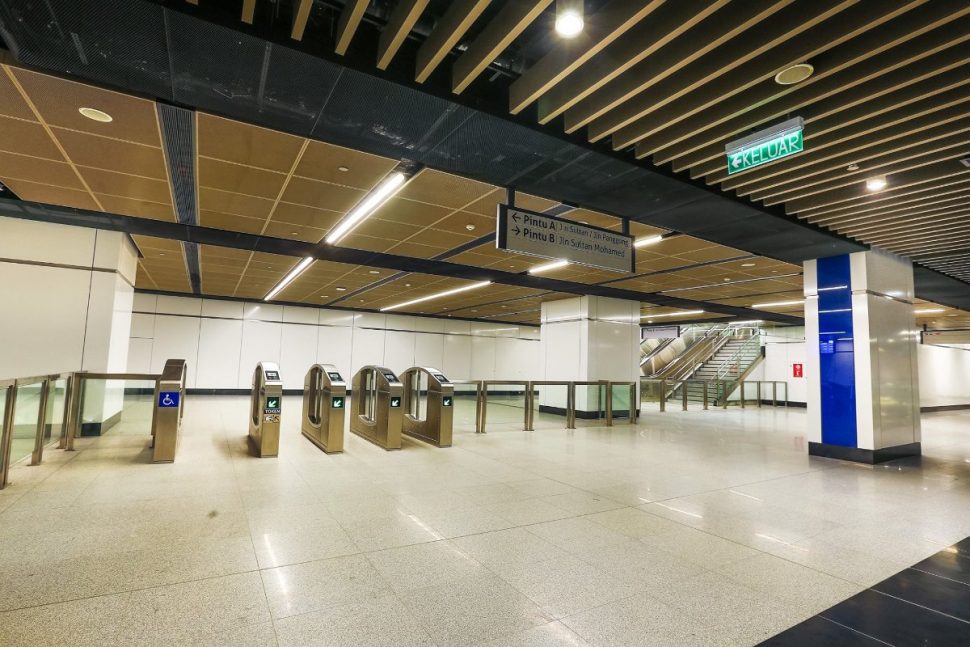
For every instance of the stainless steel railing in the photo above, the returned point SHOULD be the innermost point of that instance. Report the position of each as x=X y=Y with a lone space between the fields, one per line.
x=11 y=395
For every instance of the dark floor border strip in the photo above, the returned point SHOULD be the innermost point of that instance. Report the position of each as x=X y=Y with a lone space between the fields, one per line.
x=860 y=455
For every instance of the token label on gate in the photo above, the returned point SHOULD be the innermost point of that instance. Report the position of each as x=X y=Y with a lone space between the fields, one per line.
x=446 y=401
x=272 y=405
x=337 y=402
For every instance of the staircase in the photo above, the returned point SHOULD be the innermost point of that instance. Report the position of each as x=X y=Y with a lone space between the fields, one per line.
x=730 y=363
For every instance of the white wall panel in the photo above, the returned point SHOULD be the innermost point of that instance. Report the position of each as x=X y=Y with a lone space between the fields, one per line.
x=483 y=359
x=429 y=350
x=944 y=376
x=144 y=302
x=399 y=350
x=368 y=348
x=221 y=308
x=220 y=341
x=297 y=354
x=178 y=305
x=46 y=242
x=334 y=345
x=176 y=338
x=295 y=314
x=139 y=355
x=45 y=334
x=262 y=312
x=142 y=325
x=457 y=359
x=260 y=343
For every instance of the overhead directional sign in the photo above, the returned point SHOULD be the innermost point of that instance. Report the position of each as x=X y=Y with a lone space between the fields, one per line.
x=765 y=146
x=536 y=234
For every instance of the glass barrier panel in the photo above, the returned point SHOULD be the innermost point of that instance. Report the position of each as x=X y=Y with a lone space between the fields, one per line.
x=506 y=405
x=550 y=406
x=24 y=432
x=56 y=401
x=590 y=404
x=118 y=407
x=621 y=400
x=466 y=400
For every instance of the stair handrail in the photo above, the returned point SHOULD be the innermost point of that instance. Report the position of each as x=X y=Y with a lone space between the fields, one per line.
x=724 y=366
x=686 y=364
x=688 y=330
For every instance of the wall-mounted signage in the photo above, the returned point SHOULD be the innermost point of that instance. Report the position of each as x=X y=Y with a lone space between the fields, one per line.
x=796 y=370
x=536 y=234
x=765 y=146
x=659 y=332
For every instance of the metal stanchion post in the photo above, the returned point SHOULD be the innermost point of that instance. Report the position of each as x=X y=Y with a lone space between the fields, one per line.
x=683 y=395
x=634 y=403
x=774 y=394
x=37 y=455
x=663 y=395
x=757 y=392
x=705 y=394
x=484 y=404
x=571 y=405
x=528 y=407
x=609 y=404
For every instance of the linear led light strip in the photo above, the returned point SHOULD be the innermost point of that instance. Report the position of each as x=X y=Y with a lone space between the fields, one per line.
x=650 y=240
x=929 y=311
x=446 y=293
x=368 y=205
x=778 y=304
x=378 y=196
x=555 y=265
x=682 y=313
x=295 y=272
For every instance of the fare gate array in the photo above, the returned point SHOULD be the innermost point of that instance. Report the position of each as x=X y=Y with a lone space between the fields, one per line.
x=324 y=403
x=266 y=405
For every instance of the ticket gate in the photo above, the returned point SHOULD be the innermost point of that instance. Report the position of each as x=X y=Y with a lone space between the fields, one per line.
x=378 y=396
x=324 y=402
x=267 y=403
x=429 y=401
x=167 y=414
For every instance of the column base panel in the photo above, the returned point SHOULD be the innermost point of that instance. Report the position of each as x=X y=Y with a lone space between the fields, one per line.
x=868 y=456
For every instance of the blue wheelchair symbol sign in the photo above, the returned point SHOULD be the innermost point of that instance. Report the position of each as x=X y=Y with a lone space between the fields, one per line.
x=168 y=399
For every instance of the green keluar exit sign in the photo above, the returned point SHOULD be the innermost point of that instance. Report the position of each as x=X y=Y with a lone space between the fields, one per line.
x=765 y=146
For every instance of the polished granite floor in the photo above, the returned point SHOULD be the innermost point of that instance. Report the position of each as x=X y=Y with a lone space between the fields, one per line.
x=696 y=528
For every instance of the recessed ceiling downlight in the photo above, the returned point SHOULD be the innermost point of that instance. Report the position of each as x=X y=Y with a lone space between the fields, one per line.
x=96 y=115
x=794 y=74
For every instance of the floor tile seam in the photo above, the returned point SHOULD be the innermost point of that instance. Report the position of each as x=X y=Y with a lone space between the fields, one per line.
x=401 y=602
x=130 y=591
x=921 y=606
x=821 y=616
x=942 y=577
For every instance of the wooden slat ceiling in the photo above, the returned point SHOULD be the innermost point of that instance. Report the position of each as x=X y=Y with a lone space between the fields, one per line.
x=260 y=181
x=672 y=82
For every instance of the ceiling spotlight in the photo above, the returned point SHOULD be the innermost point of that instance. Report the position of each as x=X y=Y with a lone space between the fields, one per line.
x=373 y=272
x=324 y=296
x=876 y=183
x=96 y=115
x=726 y=278
x=470 y=227
x=342 y=169
x=569 y=18
x=794 y=74
x=929 y=311
x=341 y=289
x=161 y=253
x=747 y=264
x=852 y=167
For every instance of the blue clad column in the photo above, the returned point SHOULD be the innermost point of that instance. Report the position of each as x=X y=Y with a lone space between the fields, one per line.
x=863 y=392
